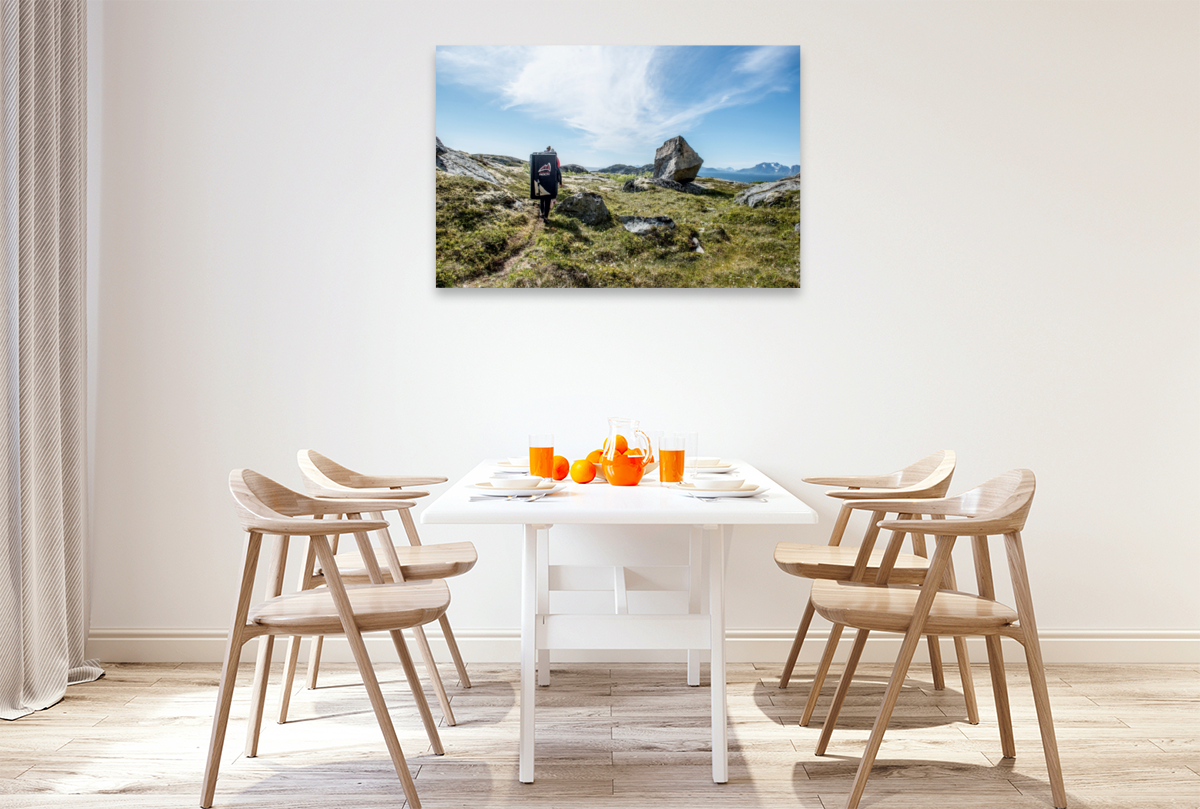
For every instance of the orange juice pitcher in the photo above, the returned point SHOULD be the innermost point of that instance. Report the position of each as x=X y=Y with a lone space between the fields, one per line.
x=627 y=453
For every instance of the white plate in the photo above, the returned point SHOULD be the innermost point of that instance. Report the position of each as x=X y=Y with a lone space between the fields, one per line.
x=708 y=465
x=509 y=466
x=498 y=489
x=747 y=490
x=709 y=470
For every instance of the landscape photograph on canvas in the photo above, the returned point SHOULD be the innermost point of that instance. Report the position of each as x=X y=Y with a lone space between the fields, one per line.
x=618 y=166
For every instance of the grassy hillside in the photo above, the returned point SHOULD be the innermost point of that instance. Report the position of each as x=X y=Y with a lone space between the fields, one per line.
x=489 y=236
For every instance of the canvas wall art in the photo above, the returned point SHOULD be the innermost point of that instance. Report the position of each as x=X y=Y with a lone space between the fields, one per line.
x=618 y=166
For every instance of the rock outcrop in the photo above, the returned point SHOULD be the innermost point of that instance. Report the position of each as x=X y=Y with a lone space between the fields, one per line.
x=453 y=162
x=676 y=161
x=646 y=183
x=641 y=225
x=767 y=194
x=586 y=206
x=574 y=168
x=499 y=159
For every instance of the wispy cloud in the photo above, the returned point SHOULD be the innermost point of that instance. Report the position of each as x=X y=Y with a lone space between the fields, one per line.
x=621 y=98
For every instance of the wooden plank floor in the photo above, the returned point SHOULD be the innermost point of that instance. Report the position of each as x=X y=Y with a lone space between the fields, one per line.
x=627 y=735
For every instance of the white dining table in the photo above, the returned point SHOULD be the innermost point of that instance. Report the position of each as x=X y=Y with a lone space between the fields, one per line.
x=597 y=503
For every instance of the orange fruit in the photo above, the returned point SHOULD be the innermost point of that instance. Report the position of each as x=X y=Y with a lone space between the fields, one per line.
x=560 y=467
x=583 y=471
x=622 y=445
x=634 y=451
x=595 y=455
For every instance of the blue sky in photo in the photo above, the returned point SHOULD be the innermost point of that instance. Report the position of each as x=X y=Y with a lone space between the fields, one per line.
x=599 y=104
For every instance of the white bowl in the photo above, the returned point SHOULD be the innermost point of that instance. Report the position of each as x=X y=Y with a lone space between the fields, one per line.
x=519 y=461
x=700 y=463
x=723 y=483
x=518 y=482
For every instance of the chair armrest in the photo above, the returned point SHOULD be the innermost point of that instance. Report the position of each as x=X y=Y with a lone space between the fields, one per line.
x=309 y=528
x=878 y=494
x=915 y=505
x=397 y=481
x=855 y=481
x=372 y=494
x=949 y=528
x=348 y=505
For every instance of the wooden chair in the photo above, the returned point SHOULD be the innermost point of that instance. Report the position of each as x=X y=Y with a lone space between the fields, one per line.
x=998 y=507
x=928 y=477
x=406 y=563
x=264 y=507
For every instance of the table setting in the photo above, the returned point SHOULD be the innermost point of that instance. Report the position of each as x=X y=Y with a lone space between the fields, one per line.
x=621 y=461
x=631 y=479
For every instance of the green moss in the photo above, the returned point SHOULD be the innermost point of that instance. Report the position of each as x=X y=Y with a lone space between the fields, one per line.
x=474 y=239
x=758 y=248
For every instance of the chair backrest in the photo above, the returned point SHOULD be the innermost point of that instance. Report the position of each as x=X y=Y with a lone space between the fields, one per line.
x=1003 y=501
x=928 y=477
x=261 y=501
x=932 y=470
x=324 y=477
x=322 y=473
x=266 y=507
x=999 y=506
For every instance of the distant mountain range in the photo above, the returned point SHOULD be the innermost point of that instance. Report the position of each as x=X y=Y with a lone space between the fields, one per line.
x=778 y=169
x=759 y=171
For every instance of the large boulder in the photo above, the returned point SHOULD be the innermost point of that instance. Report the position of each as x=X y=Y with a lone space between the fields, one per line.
x=676 y=161
x=574 y=168
x=641 y=225
x=767 y=194
x=586 y=206
x=453 y=162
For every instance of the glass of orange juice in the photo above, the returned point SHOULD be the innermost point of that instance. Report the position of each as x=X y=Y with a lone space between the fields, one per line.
x=671 y=449
x=541 y=455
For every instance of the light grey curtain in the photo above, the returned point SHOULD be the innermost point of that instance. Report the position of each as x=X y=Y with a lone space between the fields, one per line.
x=43 y=496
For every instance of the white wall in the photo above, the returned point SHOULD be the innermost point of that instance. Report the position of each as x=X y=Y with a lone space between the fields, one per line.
x=1000 y=257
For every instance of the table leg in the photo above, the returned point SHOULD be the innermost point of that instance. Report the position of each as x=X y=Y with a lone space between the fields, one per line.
x=716 y=609
x=695 y=563
x=529 y=562
x=543 y=600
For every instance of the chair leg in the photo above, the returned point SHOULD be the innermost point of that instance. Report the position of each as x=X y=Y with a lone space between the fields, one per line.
x=1008 y=742
x=414 y=684
x=835 y=634
x=860 y=643
x=935 y=662
x=1037 y=669
x=314 y=661
x=464 y=679
x=790 y=663
x=964 y=659
x=258 y=693
x=935 y=647
x=367 y=671
x=289 y=676
x=233 y=651
x=968 y=682
x=912 y=638
x=434 y=676
x=262 y=666
x=899 y=672
x=220 y=721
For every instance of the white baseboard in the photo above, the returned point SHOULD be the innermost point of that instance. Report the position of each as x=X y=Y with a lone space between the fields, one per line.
x=742 y=646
